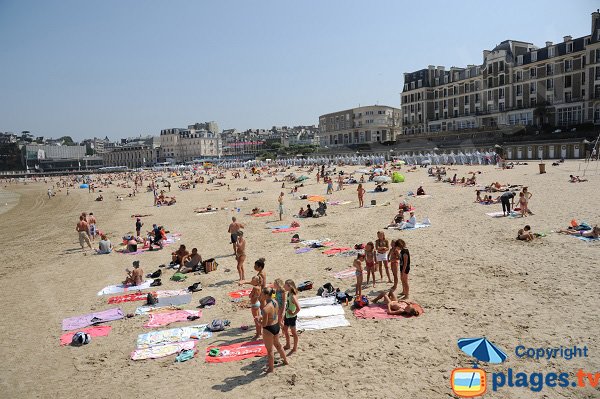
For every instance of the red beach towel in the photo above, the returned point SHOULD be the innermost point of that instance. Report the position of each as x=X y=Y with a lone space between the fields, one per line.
x=138 y=296
x=258 y=215
x=239 y=293
x=232 y=353
x=336 y=250
x=288 y=229
x=96 y=331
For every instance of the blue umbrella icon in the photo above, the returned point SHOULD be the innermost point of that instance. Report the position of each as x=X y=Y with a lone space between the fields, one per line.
x=482 y=350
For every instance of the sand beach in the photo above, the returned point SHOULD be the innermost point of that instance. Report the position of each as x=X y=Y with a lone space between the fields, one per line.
x=469 y=274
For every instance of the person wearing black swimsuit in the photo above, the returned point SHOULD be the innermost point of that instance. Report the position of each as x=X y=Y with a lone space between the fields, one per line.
x=271 y=328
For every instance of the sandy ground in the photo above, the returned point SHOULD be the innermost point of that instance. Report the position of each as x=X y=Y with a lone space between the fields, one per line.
x=468 y=272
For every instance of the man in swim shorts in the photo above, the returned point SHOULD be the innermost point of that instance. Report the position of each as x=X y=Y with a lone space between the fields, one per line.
x=233 y=230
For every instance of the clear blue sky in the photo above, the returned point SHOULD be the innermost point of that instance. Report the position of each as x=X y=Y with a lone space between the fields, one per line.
x=121 y=68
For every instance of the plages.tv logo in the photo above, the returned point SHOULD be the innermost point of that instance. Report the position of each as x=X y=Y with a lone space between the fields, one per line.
x=471 y=382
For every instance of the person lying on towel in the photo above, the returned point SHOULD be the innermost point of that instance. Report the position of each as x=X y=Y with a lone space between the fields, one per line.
x=396 y=307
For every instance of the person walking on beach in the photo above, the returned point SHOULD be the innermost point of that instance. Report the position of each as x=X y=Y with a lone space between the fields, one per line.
x=138 y=226
x=91 y=219
x=233 y=230
x=280 y=202
x=83 y=230
x=361 y=195
x=508 y=200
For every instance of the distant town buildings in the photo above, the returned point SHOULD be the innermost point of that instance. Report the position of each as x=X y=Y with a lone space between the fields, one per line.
x=517 y=84
x=370 y=124
x=179 y=145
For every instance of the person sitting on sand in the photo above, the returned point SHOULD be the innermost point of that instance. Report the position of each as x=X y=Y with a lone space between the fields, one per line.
x=593 y=233
x=100 y=198
x=478 y=198
x=190 y=262
x=309 y=212
x=379 y=188
x=525 y=234
x=396 y=307
x=135 y=277
x=420 y=191
x=158 y=235
x=104 y=245
x=410 y=223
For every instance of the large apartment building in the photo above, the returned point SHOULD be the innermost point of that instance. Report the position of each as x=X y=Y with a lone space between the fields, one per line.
x=370 y=124
x=185 y=145
x=517 y=84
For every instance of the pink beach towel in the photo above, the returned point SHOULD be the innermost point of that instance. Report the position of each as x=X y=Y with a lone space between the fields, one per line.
x=163 y=319
x=258 y=215
x=336 y=250
x=138 y=296
x=96 y=331
x=349 y=273
x=76 y=322
x=379 y=311
x=284 y=230
x=155 y=352
x=231 y=353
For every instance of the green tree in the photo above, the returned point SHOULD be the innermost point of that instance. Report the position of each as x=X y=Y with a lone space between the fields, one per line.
x=67 y=140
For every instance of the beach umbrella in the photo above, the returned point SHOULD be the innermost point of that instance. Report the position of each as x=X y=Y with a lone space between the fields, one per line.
x=482 y=350
x=382 y=179
x=316 y=198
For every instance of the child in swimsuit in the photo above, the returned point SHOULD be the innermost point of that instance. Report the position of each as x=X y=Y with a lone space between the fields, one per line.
x=370 y=261
x=255 y=304
x=523 y=204
x=359 y=274
x=270 y=324
x=280 y=298
x=291 y=315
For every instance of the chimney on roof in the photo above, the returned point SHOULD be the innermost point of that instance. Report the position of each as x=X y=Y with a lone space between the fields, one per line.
x=548 y=44
x=595 y=21
x=486 y=53
x=567 y=38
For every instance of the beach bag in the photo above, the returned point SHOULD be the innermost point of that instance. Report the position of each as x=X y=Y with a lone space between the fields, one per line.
x=156 y=274
x=359 y=246
x=342 y=297
x=80 y=338
x=151 y=299
x=326 y=290
x=178 y=277
x=295 y=224
x=185 y=355
x=207 y=301
x=305 y=286
x=361 y=302
x=295 y=238
x=210 y=265
x=218 y=325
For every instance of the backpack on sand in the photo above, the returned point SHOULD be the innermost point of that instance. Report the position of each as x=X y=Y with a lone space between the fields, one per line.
x=207 y=301
x=305 y=286
x=80 y=338
x=151 y=299
x=218 y=325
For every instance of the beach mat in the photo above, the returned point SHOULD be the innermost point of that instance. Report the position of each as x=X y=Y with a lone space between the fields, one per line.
x=166 y=318
x=262 y=214
x=321 y=311
x=336 y=250
x=119 y=288
x=75 y=322
x=417 y=226
x=284 y=226
x=173 y=335
x=339 y=202
x=379 y=311
x=174 y=300
x=587 y=239
x=303 y=250
x=316 y=301
x=501 y=214
x=142 y=310
x=142 y=296
x=96 y=331
x=235 y=352
x=158 y=351
x=348 y=273
x=286 y=230
x=239 y=293
x=322 y=323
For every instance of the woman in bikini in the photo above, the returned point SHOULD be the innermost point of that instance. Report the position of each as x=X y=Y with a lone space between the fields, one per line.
x=271 y=328
x=370 y=261
x=240 y=253
x=382 y=246
x=394 y=257
x=361 y=194
x=359 y=274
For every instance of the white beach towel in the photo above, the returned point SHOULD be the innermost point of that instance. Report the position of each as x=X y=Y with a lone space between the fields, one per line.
x=320 y=311
x=321 y=323
x=316 y=301
x=117 y=289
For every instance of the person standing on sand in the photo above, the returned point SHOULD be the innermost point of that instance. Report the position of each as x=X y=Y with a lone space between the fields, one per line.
x=382 y=246
x=234 y=228
x=84 y=232
x=361 y=195
x=240 y=254
x=404 y=266
x=508 y=200
x=528 y=196
x=280 y=201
